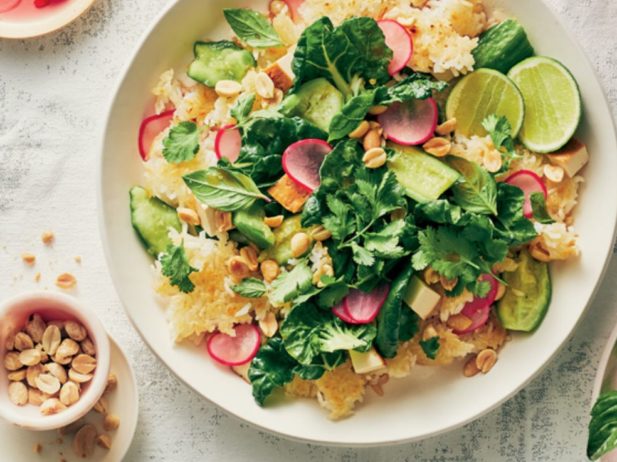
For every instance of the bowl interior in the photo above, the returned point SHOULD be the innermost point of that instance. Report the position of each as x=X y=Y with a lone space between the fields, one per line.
x=443 y=394
x=14 y=314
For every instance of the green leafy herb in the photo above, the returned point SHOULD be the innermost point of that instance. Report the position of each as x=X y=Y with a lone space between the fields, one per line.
x=288 y=286
x=242 y=107
x=603 y=426
x=476 y=192
x=430 y=347
x=250 y=288
x=252 y=27
x=273 y=367
x=176 y=267
x=538 y=206
x=511 y=222
x=308 y=332
x=222 y=189
x=500 y=130
x=355 y=49
x=182 y=143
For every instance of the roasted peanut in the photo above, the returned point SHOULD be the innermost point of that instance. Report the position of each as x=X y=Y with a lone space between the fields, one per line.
x=300 y=243
x=270 y=270
x=375 y=158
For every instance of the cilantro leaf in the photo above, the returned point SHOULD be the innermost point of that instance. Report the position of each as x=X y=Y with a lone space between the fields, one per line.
x=181 y=143
x=361 y=255
x=538 y=205
x=242 y=107
x=511 y=223
x=290 y=285
x=430 y=347
x=175 y=265
x=476 y=191
x=500 y=131
x=250 y=288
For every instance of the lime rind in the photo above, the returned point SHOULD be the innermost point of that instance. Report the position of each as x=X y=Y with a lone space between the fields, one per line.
x=483 y=93
x=550 y=125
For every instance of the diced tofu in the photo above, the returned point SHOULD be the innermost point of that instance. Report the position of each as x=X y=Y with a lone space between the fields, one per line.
x=420 y=297
x=364 y=363
x=289 y=194
x=572 y=157
x=280 y=72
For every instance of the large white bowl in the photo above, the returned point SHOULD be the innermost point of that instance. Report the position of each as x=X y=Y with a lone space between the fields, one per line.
x=434 y=400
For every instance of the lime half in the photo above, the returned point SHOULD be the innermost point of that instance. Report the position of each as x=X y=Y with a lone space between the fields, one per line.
x=480 y=94
x=552 y=103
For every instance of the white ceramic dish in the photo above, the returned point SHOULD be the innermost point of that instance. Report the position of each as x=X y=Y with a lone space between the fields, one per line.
x=14 y=314
x=46 y=23
x=18 y=444
x=430 y=402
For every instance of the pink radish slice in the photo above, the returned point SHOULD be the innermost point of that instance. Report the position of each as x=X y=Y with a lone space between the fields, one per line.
x=292 y=5
x=228 y=143
x=340 y=312
x=399 y=41
x=530 y=183
x=150 y=128
x=410 y=123
x=364 y=307
x=234 y=351
x=302 y=161
x=479 y=309
x=7 y=5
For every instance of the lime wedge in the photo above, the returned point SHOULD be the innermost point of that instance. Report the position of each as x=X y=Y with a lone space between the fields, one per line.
x=480 y=94
x=552 y=101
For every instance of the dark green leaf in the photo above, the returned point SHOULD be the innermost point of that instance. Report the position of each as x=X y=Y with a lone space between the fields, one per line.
x=289 y=286
x=476 y=191
x=182 y=143
x=176 y=267
x=603 y=426
x=430 y=347
x=250 y=288
x=500 y=130
x=222 y=189
x=252 y=28
x=511 y=223
x=538 y=205
x=242 y=107
x=270 y=369
x=409 y=324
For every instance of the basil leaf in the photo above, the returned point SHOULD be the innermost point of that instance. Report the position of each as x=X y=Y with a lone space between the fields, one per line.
x=476 y=192
x=430 y=347
x=182 y=143
x=603 y=426
x=242 y=108
x=538 y=206
x=222 y=189
x=252 y=27
x=250 y=288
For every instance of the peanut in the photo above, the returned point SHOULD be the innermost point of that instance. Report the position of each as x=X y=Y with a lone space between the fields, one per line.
x=486 y=359
x=274 y=222
x=300 y=243
x=372 y=140
x=375 y=158
x=320 y=234
x=360 y=130
x=76 y=331
x=18 y=393
x=270 y=270
x=227 y=88
x=447 y=127
x=438 y=147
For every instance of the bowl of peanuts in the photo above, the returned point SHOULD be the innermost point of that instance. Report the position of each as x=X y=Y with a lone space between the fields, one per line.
x=54 y=360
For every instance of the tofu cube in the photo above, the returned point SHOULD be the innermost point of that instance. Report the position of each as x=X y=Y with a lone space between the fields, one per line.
x=280 y=71
x=289 y=194
x=364 y=363
x=572 y=157
x=421 y=298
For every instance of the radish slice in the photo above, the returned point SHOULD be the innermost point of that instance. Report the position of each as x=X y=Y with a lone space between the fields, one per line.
x=411 y=123
x=340 y=312
x=7 y=5
x=292 y=5
x=364 y=307
x=234 y=351
x=302 y=161
x=150 y=128
x=530 y=183
x=479 y=309
x=399 y=40
x=228 y=143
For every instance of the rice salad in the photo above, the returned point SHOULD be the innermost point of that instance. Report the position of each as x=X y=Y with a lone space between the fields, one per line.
x=325 y=215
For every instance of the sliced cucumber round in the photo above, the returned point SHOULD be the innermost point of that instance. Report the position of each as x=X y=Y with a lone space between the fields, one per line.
x=318 y=101
x=216 y=61
x=527 y=296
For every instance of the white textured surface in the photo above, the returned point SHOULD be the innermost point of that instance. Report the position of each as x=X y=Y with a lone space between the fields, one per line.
x=53 y=95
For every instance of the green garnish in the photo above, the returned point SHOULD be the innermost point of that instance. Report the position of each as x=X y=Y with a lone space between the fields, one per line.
x=182 y=143
x=430 y=347
x=252 y=27
x=250 y=288
x=176 y=267
x=603 y=426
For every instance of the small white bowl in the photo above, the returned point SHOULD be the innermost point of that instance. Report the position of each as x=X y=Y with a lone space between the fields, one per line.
x=14 y=314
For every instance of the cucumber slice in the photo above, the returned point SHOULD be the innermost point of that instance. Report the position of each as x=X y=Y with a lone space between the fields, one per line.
x=152 y=218
x=318 y=101
x=250 y=222
x=216 y=61
x=528 y=295
x=281 y=250
x=502 y=46
x=424 y=177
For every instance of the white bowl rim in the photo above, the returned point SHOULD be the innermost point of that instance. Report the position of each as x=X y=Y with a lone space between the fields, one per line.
x=107 y=252
x=98 y=383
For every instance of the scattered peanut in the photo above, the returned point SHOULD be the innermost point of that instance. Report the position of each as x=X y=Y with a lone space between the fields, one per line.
x=33 y=372
x=52 y=406
x=76 y=331
x=538 y=252
x=111 y=422
x=270 y=270
x=23 y=341
x=375 y=158
x=360 y=130
x=36 y=397
x=250 y=257
x=447 y=127
x=320 y=234
x=223 y=221
x=57 y=371
x=78 y=377
x=438 y=147
x=227 y=88
x=269 y=325
x=18 y=393
x=430 y=276
x=66 y=281
x=84 y=364
x=30 y=357
x=470 y=369
x=501 y=291
x=372 y=140
x=67 y=348
x=237 y=268
x=28 y=258
x=264 y=86
x=274 y=222
x=88 y=347
x=48 y=384
x=554 y=173
x=51 y=339
x=112 y=383
x=377 y=110
x=323 y=270
x=104 y=441
x=448 y=284
x=84 y=441
x=35 y=328
x=486 y=359
x=459 y=322
x=101 y=406
x=47 y=237
x=300 y=243
x=188 y=216
x=277 y=6
x=69 y=394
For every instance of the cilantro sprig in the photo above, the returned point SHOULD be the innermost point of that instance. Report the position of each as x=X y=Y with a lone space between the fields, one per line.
x=175 y=265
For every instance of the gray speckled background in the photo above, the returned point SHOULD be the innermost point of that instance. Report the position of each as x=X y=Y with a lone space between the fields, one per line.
x=53 y=93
